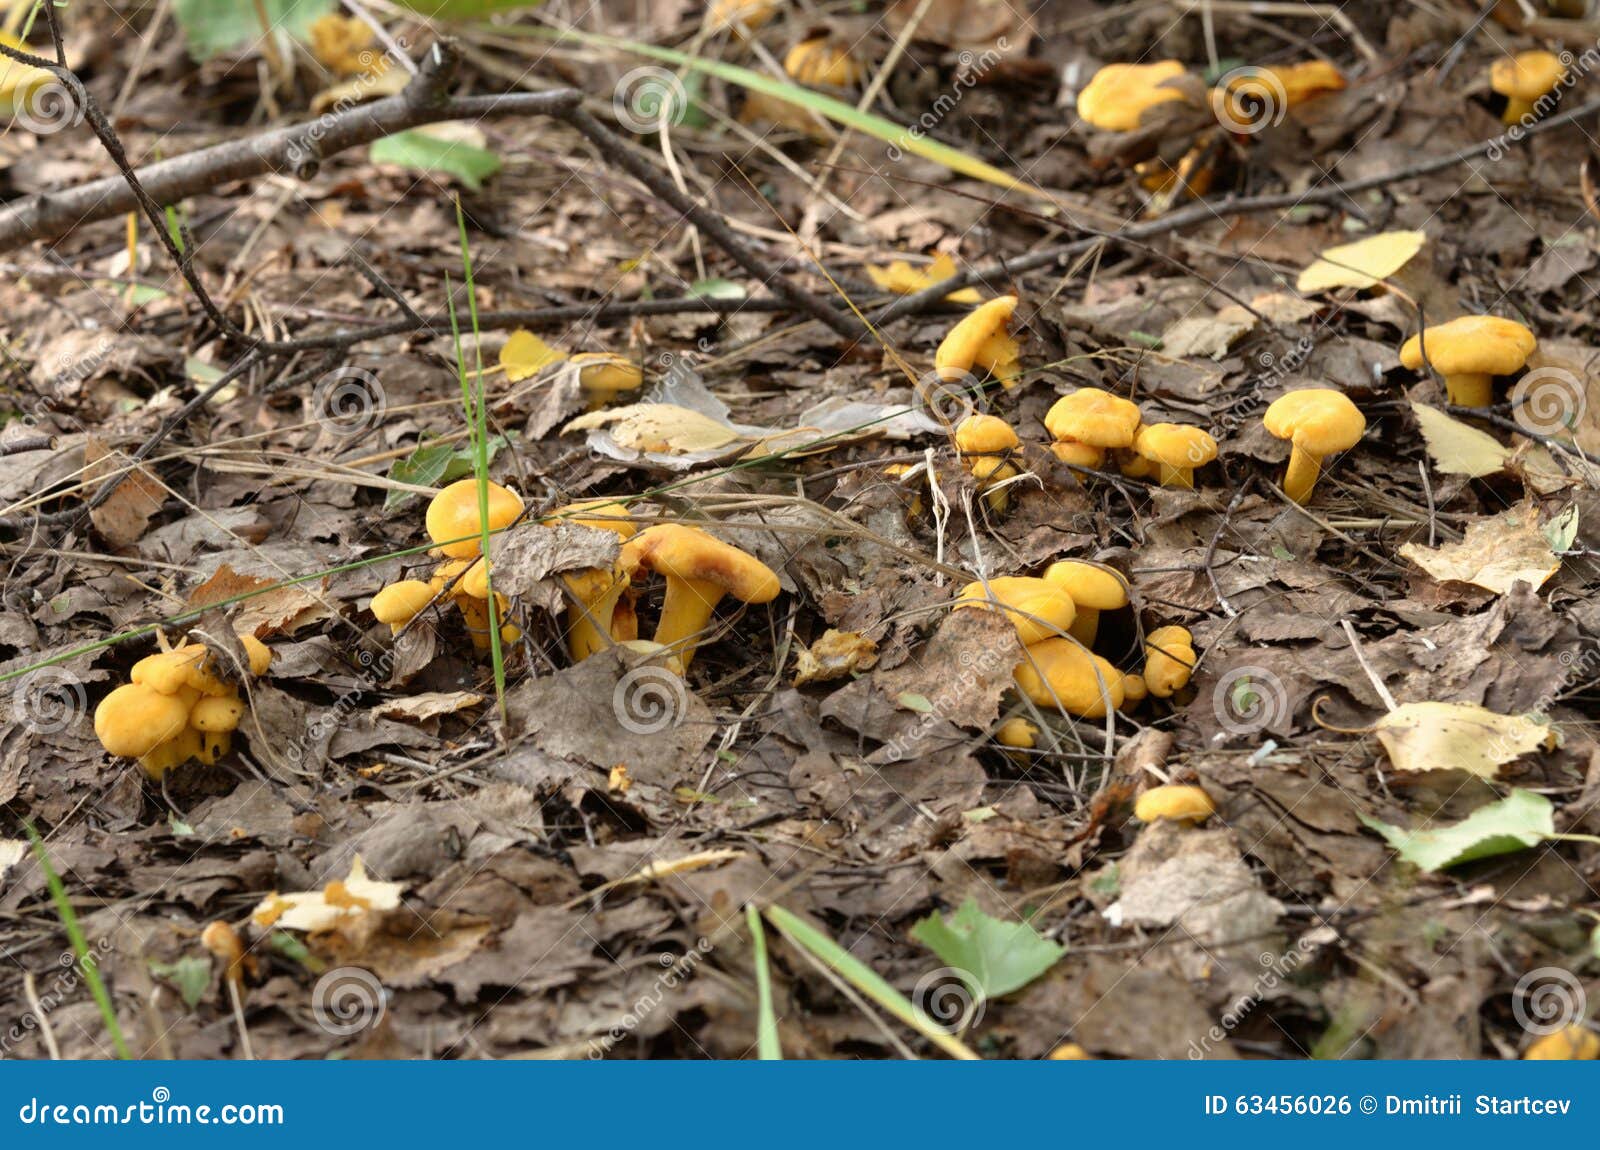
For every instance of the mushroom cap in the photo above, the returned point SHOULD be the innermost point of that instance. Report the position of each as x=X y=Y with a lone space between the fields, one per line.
x=1063 y=667
x=1302 y=82
x=1038 y=610
x=1089 y=585
x=607 y=372
x=400 y=602
x=1134 y=688
x=220 y=713
x=186 y=666
x=1527 y=75
x=136 y=718
x=1318 y=419
x=601 y=514
x=1169 y=660
x=984 y=434
x=822 y=59
x=1175 y=445
x=680 y=552
x=1570 y=1044
x=1472 y=345
x=453 y=513
x=959 y=349
x=1173 y=802
x=1120 y=94
x=258 y=654
x=1017 y=732
x=1095 y=417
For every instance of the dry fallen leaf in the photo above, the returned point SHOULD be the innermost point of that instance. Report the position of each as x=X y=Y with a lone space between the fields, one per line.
x=1363 y=263
x=1456 y=736
x=658 y=427
x=318 y=910
x=1500 y=550
x=1208 y=335
x=900 y=277
x=1456 y=448
x=121 y=520
x=836 y=655
x=428 y=705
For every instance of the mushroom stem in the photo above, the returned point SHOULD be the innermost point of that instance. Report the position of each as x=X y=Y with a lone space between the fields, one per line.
x=1176 y=476
x=1301 y=478
x=1070 y=451
x=1472 y=389
x=595 y=594
x=1085 y=625
x=1517 y=110
x=685 y=612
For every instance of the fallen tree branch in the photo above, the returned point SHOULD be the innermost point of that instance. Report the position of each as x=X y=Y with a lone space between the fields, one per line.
x=297 y=150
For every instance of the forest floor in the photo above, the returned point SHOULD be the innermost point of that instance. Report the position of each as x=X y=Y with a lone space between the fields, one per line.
x=249 y=445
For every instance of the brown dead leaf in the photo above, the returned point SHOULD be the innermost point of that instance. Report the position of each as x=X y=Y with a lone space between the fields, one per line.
x=1498 y=552
x=428 y=705
x=121 y=520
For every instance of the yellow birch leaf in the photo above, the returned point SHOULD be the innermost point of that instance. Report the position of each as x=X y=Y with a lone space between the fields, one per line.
x=1496 y=552
x=658 y=427
x=1457 y=736
x=1459 y=449
x=1363 y=263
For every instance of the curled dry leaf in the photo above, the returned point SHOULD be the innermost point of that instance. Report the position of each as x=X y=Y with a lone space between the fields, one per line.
x=836 y=655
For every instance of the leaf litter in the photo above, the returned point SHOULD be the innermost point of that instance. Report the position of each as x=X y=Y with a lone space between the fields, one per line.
x=1389 y=709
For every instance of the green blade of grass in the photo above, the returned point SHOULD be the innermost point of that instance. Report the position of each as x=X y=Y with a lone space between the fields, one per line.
x=905 y=139
x=767 y=1045
x=477 y=412
x=80 y=945
x=867 y=981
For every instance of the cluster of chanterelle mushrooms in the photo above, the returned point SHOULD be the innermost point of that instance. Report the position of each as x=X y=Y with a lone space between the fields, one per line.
x=698 y=570
x=1091 y=429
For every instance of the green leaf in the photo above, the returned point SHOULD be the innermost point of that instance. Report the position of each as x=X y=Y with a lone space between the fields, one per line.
x=190 y=975
x=433 y=465
x=1563 y=530
x=423 y=152
x=993 y=956
x=766 y=1018
x=912 y=701
x=717 y=289
x=1520 y=820
x=866 y=980
x=212 y=27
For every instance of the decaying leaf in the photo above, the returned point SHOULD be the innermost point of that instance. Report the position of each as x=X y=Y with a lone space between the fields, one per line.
x=657 y=427
x=1363 y=263
x=1497 y=552
x=1209 y=336
x=428 y=705
x=318 y=910
x=835 y=655
x=1457 y=736
x=122 y=519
